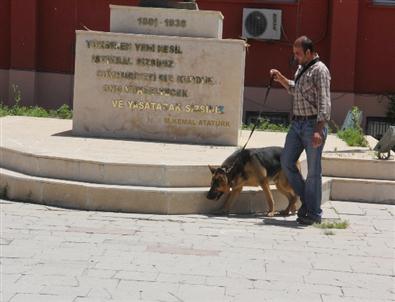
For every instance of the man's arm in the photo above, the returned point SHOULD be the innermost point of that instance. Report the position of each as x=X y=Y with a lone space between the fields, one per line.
x=322 y=82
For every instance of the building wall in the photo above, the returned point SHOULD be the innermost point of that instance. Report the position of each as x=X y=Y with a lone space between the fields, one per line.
x=355 y=38
x=375 y=54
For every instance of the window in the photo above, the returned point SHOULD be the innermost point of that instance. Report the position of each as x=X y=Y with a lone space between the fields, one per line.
x=384 y=2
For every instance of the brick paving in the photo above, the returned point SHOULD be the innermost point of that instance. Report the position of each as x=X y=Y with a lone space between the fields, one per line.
x=53 y=254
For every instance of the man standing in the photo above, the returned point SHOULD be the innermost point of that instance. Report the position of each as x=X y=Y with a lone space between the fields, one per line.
x=308 y=131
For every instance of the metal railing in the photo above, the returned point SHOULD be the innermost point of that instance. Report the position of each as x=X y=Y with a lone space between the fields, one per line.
x=377 y=126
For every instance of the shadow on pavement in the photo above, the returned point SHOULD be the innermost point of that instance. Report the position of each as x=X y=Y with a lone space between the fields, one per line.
x=281 y=223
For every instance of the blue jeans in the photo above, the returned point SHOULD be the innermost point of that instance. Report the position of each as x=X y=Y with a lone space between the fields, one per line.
x=299 y=138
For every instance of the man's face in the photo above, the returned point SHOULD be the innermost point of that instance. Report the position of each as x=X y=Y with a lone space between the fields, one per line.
x=300 y=56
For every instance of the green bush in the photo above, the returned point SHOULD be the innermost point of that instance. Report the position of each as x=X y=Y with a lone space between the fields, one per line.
x=264 y=124
x=354 y=135
x=63 y=112
x=333 y=224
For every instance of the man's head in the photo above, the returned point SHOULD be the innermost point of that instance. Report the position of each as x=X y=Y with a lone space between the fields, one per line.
x=219 y=183
x=303 y=50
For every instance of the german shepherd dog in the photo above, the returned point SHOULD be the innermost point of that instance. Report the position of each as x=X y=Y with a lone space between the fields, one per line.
x=252 y=167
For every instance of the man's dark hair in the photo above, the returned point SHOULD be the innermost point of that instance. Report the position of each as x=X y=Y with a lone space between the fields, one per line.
x=305 y=43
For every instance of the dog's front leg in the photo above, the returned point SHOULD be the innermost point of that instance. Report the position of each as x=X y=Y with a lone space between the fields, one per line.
x=231 y=198
x=269 y=197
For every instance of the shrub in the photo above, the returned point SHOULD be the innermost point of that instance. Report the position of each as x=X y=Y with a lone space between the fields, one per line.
x=265 y=124
x=62 y=112
x=354 y=135
x=335 y=224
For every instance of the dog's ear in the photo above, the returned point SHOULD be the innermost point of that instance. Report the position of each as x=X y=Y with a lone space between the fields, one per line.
x=212 y=169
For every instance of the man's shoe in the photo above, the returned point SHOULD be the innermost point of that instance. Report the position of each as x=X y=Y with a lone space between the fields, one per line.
x=301 y=214
x=308 y=220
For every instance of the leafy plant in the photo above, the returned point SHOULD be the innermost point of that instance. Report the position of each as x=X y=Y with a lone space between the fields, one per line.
x=265 y=124
x=334 y=224
x=16 y=94
x=63 y=112
x=354 y=135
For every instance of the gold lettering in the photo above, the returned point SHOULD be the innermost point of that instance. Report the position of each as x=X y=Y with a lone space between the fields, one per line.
x=96 y=44
x=173 y=49
x=194 y=79
x=145 y=47
x=116 y=75
x=155 y=63
x=99 y=59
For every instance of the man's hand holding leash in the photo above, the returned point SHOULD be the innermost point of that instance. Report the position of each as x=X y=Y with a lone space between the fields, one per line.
x=278 y=77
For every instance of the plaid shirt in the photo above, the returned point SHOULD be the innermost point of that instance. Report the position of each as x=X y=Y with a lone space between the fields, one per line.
x=312 y=87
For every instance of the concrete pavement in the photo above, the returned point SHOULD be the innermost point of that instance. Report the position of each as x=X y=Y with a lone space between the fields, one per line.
x=52 y=254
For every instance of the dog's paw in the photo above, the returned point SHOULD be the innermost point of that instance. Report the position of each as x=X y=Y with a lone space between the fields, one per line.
x=271 y=214
x=284 y=213
x=221 y=212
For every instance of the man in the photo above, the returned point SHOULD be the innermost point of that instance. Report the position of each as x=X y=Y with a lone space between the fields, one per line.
x=308 y=130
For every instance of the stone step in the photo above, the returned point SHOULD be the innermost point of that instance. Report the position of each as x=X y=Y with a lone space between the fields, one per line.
x=137 y=199
x=363 y=190
x=101 y=172
x=113 y=173
x=358 y=168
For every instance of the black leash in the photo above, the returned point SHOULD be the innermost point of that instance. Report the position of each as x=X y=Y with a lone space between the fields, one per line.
x=260 y=112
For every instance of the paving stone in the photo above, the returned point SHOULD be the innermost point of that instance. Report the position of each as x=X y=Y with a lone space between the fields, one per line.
x=188 y=292
x=41 y=298
x=140 y=290
x=50 y=254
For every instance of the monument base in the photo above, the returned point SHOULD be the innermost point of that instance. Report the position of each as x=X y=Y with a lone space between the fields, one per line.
x=42 y=162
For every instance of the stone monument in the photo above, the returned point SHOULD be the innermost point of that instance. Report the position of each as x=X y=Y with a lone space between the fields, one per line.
x=153 y=78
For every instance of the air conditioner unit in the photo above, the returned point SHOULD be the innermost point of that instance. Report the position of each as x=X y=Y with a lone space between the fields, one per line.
x=262 y=24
